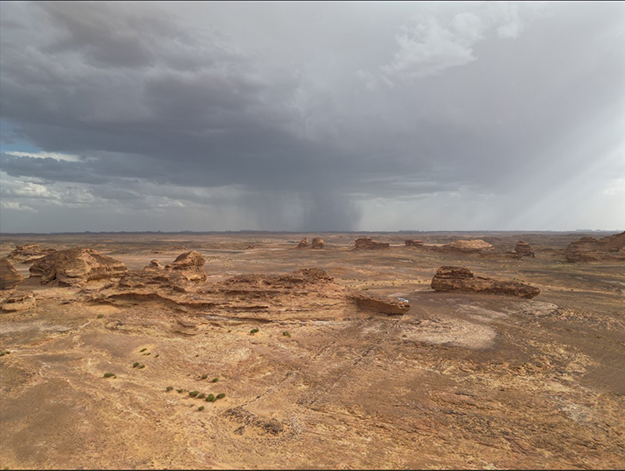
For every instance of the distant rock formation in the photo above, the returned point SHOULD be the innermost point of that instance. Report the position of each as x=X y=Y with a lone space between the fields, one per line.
x=414 y=243
x=462 y=279
x=366 y=243
x=190 y=264
x=523 y=249
x=589 y=249
x=303 y=244
x=465 y=246
x=19 y=301
x=318 y=243
x=9 y=276
x=74 y=267
x=615 y=242
x=29 y=253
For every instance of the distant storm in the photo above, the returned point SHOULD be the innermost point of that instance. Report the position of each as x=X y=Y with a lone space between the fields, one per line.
x=312 y=116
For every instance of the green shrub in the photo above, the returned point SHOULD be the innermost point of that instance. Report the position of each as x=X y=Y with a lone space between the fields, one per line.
x=142 y=350
x=141 y=366
x=253 y=331
x=210 y=398
x=110 y=375
x=157 y=355
x=100 y=316
x=135 y=364
x=214 y=380
x=201 y=408
x=149 y=353
x=286 y=334
x=180 y=390
x=201 y=396
x=204 y=377
x=220 y=396
x=193 y=393
x=169 y=388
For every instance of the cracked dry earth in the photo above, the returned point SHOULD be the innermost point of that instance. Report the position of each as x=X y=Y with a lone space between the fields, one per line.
x=460 y=381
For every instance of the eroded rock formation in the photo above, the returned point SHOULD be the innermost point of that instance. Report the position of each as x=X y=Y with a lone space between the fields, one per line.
x=414 y=243
x=74 y=267
x=29 y=253
x=9 y=276
x=303 y=244
x=190 y=264
x=377 y=303
x=318 y=243
x=19 y=301
x=589 y=249
x=524 y=249
x=366 y=243
x=462 y=279
x=304 y=294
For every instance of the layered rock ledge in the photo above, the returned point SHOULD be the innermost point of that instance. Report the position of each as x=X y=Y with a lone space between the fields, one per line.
x=450 y=278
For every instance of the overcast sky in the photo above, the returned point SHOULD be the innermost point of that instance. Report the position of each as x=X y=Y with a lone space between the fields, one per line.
x=312 y=116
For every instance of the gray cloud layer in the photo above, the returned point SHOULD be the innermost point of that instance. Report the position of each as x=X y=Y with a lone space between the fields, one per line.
x=314 y=116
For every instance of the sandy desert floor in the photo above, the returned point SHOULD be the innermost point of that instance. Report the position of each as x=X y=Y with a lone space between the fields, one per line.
x=460 y=381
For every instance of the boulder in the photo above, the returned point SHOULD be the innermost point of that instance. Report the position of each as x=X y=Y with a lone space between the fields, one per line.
x=462 y=279
x=74 y=267
x=523 y=249
x=19 y=301
x=9 y=276
x=366 y=243
x=303 y=244
x=318 y=243
x=190 y=265
x=29 y=253
x=414 y=243
x=465 y=246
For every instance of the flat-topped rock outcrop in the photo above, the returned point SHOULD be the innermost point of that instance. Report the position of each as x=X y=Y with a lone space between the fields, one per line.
x=524 y=249
x=9 y=276
x=29 y=253
x=450 y=278
x=465 y=246
x=366 y=243
x=589 y=249
x=74 y=267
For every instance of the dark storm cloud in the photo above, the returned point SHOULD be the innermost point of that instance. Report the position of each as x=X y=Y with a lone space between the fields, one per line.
x=311 y=119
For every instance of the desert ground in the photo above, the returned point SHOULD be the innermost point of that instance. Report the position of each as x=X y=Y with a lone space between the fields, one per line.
x=311 y=379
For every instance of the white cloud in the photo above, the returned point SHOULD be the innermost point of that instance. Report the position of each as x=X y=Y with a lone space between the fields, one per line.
x=46 y=155
x=431 y=48
x=15 y=206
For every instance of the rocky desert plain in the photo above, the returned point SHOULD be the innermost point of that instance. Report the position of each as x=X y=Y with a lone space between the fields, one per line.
x=245 y=350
